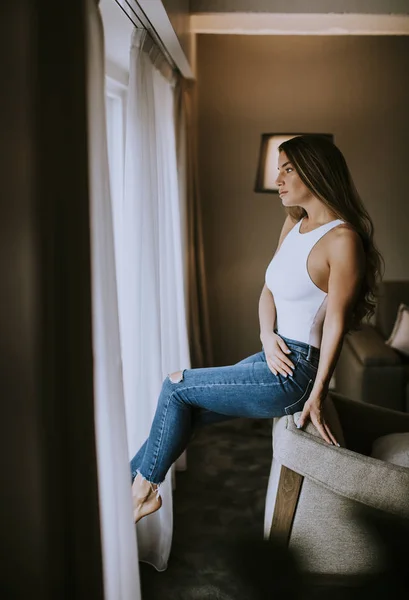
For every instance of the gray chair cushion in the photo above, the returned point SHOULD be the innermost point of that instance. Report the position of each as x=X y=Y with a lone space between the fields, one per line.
x=361 y=478
x=392 y=448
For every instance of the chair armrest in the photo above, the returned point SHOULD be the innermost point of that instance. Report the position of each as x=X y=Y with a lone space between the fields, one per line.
x=370 y=348
x=366 y=480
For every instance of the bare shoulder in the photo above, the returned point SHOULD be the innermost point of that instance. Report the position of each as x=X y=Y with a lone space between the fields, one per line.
x=287 y=226
x=291 y=220
x=344 y=235
x=346 y=245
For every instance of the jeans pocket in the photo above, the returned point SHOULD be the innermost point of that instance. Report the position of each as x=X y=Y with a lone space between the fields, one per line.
x=297 y=406
x=311 y=364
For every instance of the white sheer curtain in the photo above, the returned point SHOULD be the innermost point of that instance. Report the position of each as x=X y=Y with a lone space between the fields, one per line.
x=150 y=268
x=120 y=557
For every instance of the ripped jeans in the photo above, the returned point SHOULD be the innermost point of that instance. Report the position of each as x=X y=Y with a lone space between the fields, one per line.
x=214 y=394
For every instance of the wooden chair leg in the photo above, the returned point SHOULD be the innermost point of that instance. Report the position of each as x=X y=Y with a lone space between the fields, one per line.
x=288 y=492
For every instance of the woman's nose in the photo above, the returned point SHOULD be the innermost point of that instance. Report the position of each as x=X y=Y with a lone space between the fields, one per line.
x=279 y=180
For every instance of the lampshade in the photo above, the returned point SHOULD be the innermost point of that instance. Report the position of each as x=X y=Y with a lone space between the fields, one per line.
x=267 y=169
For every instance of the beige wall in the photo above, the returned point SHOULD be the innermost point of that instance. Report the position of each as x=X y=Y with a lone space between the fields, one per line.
x=301 y=6
x=354 y=87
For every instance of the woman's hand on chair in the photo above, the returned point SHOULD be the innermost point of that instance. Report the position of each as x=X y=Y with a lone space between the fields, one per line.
x=313 y=410
x=276 y=351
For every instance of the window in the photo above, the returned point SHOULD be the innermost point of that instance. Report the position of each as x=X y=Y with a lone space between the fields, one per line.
x=115 y=96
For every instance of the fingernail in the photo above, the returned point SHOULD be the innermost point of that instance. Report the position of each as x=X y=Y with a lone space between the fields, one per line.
x=298 y=426
x=339 y=445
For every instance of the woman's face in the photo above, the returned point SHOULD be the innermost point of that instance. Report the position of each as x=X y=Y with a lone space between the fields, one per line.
x=292 y=191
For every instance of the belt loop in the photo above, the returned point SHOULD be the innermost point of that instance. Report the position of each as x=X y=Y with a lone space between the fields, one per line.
x=309 y=352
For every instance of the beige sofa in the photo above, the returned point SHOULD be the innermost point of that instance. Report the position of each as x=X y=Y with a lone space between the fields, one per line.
x=367 y=369
x=315 y=489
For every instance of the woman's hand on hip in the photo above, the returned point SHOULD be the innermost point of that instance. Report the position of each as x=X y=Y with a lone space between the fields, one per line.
x=313 y=410
x=276 y=351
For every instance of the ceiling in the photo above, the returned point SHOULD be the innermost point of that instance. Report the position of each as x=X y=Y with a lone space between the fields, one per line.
x=298 y=17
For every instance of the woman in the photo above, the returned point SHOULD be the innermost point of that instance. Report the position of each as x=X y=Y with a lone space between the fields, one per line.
x=319 y=285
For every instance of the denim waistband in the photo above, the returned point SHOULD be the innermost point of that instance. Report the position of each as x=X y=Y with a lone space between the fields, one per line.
x=306 y=349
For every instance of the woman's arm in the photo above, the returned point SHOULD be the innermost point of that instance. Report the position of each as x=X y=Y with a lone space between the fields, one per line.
x=275 y=348
x=347 y=267
x=267 y=312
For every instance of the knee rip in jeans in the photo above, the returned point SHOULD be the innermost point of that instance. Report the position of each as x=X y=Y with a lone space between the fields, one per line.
x=177 y=377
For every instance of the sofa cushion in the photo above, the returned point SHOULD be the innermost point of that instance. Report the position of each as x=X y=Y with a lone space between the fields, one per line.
x=370 y=348
x=392 y=448
x=399 y=338
x=390 y=295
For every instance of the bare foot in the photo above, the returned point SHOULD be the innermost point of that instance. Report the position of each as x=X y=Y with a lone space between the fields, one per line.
x=145 y=498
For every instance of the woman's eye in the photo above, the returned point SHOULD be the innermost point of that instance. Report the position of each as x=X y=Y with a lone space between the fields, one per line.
x=289 y=169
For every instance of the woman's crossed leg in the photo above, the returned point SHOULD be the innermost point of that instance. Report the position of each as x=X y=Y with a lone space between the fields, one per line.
x=194 y=398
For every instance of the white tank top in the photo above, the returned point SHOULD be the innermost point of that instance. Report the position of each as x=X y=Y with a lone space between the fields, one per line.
x=300 y=304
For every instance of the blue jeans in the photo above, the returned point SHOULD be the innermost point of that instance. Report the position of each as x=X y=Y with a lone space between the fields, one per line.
x=210 y=395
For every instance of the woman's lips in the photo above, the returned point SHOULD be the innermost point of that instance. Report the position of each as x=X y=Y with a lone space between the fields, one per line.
x=284 y=192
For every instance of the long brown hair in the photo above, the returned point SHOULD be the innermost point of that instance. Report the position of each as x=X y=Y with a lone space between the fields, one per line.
x=323 y=169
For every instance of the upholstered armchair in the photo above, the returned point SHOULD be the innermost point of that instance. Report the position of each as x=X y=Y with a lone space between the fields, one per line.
x=368 y=370
x=315 y=489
